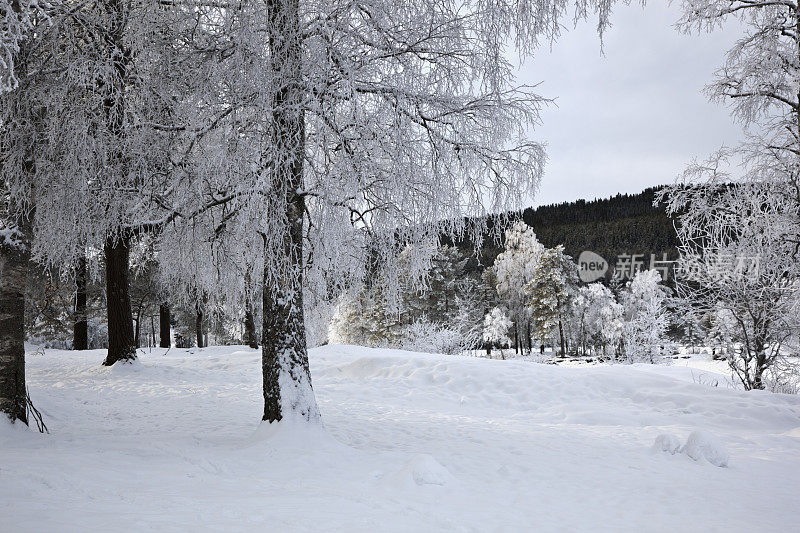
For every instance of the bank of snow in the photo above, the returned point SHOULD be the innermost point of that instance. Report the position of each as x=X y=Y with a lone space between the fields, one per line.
x=412 y=442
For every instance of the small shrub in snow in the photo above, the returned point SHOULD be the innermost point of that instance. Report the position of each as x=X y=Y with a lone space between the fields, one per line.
x=425 y=336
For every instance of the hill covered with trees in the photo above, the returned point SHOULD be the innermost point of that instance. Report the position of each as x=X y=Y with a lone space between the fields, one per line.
x=624 y=224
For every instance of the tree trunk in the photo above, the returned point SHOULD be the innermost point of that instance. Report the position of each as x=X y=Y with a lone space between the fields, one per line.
x=13 y=273
x=516 y=338
x=121 y=345
x=529 y=338
x=761 y=366
x=287 y=380
x=80 y=332
x=250 y=328
x=164 y=326
x=249 y=317
x=198 y=326
x=561 y=335
x=138 y=328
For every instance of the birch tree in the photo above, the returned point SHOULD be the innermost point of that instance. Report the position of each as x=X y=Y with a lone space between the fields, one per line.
x=757 y=217
x=387 y=119
x=737 y=263
x=514 y=269
x=18 y=20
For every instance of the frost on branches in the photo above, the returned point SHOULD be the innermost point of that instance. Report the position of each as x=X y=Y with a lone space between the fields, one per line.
x=328 y=135
x=17 y=20
x=598 y=319
x=550 y=293
x=433 y=305
x=739 y=233
x=495 y=328
x=513 y=270
x=738 y=263
x=646 y=319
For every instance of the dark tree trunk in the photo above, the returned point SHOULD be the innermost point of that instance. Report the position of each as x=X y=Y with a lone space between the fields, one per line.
x=561 y=335
x=283 y=353
x=138 y=328
x=516 y=338
x=198 y=326
x=121 y=345
x=13 y=273
x=250 y=336
x=250 y=328
x=164 y=325
x=529 y=337
x=80 y=332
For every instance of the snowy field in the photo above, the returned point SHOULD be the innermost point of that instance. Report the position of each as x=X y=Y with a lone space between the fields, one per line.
x=412 y=442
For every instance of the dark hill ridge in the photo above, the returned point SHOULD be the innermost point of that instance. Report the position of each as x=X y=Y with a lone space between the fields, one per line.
x=623 y=224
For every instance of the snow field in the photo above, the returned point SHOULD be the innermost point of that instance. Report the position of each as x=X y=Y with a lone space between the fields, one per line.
x=411 y=442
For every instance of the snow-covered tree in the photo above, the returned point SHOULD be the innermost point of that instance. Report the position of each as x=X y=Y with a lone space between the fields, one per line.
x=311 y=127
x=759 y=82
x=646 y=319
x=513 y=270
x=722 y=332
x=18 y=18
x=597 y=317
x=550 y=292
x=739 y=233
x=495 y=328
x=736 y=260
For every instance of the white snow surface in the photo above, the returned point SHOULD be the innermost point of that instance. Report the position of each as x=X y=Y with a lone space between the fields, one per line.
x=411 y=442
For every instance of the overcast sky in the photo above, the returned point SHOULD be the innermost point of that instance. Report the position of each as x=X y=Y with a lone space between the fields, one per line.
x=633 y=117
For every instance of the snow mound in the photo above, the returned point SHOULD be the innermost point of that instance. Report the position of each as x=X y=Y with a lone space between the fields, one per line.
x=667 y=443
x=423 y=469
x=702 y=445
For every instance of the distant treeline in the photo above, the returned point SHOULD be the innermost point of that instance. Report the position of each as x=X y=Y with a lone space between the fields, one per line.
x=623 y=224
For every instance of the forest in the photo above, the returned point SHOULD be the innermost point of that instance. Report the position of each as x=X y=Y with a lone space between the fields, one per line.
x=272 y=265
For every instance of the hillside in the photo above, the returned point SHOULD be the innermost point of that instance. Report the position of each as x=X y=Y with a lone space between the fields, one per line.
x=622 y=224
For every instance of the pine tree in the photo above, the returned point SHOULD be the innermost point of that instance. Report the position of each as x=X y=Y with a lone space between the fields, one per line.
x=551 y=291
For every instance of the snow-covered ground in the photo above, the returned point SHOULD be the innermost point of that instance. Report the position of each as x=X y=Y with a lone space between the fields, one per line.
x=412 y=442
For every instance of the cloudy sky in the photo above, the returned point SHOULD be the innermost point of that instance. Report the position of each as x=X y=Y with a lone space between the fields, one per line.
x=633 y=117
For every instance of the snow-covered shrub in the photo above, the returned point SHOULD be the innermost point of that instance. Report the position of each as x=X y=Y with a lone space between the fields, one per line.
x=784 y=376
x=667 y=443
x=318 y=319
x=597 y=318
x=646 y=320
x=426 y=336
x=495 y=328
x=722 y=332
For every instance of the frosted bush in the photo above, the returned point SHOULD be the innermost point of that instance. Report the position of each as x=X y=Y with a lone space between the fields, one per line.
x=425 y=336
